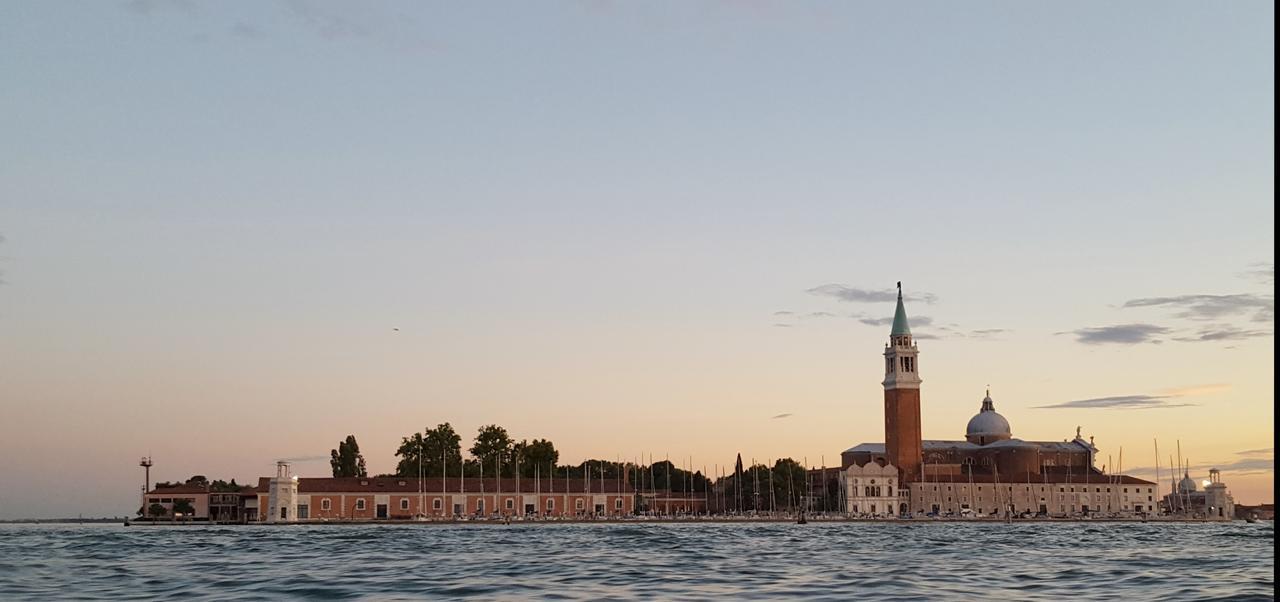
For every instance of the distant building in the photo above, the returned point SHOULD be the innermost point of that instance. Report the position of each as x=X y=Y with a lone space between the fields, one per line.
x=1258 y=511
x=207 y=504
x=989 y=472
x=287 y=498
x=1215 y=502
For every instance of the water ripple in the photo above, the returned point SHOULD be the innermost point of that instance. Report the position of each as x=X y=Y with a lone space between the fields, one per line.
x=823 y=561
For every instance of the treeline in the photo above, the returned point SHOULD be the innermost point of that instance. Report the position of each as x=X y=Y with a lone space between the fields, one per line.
x=438 y=452
x=217 y=485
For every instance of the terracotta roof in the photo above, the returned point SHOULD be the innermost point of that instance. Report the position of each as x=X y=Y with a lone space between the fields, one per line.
x=179 y=489
x=378 y=485
x=1051 y=478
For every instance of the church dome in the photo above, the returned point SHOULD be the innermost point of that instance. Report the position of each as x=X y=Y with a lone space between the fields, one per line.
x=988 y=425
x=1187 y=484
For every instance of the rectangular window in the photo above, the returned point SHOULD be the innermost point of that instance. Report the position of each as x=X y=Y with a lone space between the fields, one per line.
x=360 y=504
x=404 y=503
x=437 y=504
x=511 y=504
x=325 y=504
x=617 y=504
x=579 y=504
x=551 y=504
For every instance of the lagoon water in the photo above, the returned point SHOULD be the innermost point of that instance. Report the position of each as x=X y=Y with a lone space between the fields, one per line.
x=833 y=561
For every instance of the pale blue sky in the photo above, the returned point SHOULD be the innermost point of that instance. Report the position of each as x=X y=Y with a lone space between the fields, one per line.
x=572 y=209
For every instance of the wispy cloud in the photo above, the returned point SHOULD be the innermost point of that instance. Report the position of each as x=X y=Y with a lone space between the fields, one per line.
x=851 y=294
x=916 y=321
x=1128 y=402
x=246 y=30
x=1223 y=333
x=1263 y=272
x=1211 y=307
x=1125 y=334
x=147 y=7
x=1266 y=451
x=986 y=333
x=303 y=459
x=1191 y=390
x=782 y=415
x=781 y=325
x=783 y=313
x=329 y=24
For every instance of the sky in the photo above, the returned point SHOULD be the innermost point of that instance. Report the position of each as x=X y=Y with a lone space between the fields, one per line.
x=236 y=232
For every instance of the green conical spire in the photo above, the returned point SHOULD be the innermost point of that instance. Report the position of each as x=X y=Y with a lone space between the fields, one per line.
x=900 y=317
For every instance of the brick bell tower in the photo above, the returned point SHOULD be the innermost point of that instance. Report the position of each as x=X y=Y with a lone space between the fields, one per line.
x=902 y=441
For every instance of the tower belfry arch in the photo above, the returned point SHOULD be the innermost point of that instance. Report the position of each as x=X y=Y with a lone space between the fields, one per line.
x=902 y=439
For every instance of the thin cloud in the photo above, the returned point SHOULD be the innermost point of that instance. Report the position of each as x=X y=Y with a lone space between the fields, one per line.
x=1124 y=402
x=329 y=25
x=1266 y=451
x=783 y=313
x=915 y=321
x=147 y=7
x=1242 y=466
x=303 y=459
x=781 y=416
x=246 y=30
x=1211 y=307
x=781 y=325
x=1124 y=334
x=851 y=294
x=987 y=332
x=1196 y=390
x=1262 y=272
x=1223 y=333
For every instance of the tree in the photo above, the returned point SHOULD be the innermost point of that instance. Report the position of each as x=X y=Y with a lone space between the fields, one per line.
x=183 y=506
x=198 y=480
x=439 y=448
x=156 y=510
x=347 y=461
x=540 y=453
x=492 y=442
x=219 y=485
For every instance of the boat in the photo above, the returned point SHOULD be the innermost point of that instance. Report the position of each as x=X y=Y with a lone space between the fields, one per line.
x=1252 y=518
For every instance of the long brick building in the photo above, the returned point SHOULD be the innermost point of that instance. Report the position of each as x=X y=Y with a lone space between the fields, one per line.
x=287 y=498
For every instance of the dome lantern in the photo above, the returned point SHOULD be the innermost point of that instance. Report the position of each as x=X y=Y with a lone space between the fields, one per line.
x=988 y=426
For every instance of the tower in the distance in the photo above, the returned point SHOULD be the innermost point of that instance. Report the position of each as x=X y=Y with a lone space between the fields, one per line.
x=902 y=442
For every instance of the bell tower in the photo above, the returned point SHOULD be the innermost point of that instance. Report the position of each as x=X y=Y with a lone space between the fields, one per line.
x=902 y=442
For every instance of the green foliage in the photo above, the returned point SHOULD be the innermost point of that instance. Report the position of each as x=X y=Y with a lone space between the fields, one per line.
x=437 y=448
x=198 y=480
x=222 y=486
x=536 y=458
x=346 y=461
x=183 y=507
x=156 y=510
x=493 y=444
